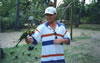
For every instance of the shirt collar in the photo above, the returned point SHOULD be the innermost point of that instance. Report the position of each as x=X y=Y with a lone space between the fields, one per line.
x=56 y=22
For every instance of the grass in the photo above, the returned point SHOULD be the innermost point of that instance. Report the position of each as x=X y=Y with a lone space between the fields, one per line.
x=81 y=37
x=89 y=27
x=73 y=54
x=23 y=54
x=78 y=54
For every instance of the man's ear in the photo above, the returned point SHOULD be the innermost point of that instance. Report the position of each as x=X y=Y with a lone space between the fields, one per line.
x=55 y=15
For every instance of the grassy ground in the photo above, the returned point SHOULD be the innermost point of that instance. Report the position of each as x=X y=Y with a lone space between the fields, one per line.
x=90 y=27
x=78 y=53
x=21 y=54
x=73 y=54
x=83 y=49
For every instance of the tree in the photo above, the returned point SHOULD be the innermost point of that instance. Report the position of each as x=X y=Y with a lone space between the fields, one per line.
x=92 y=12
x=27 y=8
x=64 y=9
x=6 y=7
x=80 y=13
x=17 y=14
x=55 y=2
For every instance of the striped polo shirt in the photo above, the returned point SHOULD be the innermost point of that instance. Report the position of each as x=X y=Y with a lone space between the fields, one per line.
x=51 y=53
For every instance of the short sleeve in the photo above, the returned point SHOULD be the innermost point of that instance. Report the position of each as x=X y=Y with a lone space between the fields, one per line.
x=67 y=36
x=37 y=35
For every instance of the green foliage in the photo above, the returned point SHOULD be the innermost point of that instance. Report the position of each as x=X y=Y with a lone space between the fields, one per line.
x=7 y=14
x=27 y=8
x=36 y=9
x=64 y=10
x=92 y=13
x=6 y=7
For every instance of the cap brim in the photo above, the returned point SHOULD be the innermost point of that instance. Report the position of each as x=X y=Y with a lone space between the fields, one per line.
x=49 y=13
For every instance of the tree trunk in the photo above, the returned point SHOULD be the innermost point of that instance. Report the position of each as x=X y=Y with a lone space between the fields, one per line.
x=98 y=1
x=55 y=1
x=71 y=19
x=79 y=15
x=0 y=23
x=17 y=14
x=2 y=54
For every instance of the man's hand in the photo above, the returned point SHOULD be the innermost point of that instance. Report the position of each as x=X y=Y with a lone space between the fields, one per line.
x=29 y=39
x=58 y=41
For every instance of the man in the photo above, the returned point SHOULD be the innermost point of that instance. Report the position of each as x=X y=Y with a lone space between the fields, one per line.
x=53 y=35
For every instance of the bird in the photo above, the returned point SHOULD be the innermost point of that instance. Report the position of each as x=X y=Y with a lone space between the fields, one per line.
x=30 y=48
x=12 y=52
x=36 y=58
x=24 y=35
x=35 y=48
x=16 y=57
x=29 y=54
x=23 y=53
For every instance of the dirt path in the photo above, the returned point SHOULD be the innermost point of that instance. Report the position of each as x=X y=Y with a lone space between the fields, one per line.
x=9 y=39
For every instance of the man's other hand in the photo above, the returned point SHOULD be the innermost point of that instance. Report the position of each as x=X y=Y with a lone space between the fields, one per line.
x=29 y=39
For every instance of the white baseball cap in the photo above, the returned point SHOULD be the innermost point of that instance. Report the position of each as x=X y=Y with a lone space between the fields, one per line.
x=50 y=10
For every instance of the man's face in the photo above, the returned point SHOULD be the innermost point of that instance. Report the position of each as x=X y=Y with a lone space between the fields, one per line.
x=51 y=18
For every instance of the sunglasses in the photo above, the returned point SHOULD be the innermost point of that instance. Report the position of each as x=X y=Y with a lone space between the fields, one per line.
x=55 y=35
